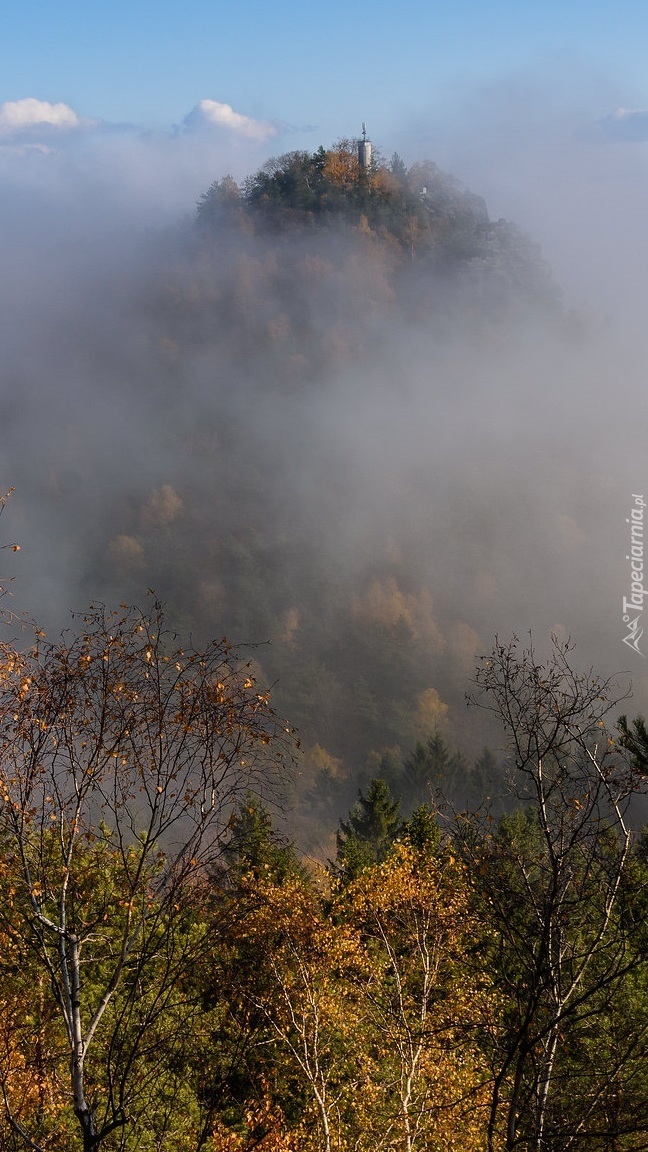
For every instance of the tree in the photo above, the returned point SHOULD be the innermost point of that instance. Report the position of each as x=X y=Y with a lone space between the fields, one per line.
x=634 y=738
x=342 y=167
x=428 y=1077
x=398 y=169
x=486 y=782
x=12 y=547
x=255 y=850
x=306 y=987
x=121 y=758
x=368 y=834
x=29 y=1082
x=286 y=187
x=432 y=766
x=422 y=831
x=551 y=879
x=219 y=204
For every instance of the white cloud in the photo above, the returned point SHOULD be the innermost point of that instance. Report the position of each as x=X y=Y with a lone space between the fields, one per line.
x=50 y=156
x=20 y=116
x=211 y=114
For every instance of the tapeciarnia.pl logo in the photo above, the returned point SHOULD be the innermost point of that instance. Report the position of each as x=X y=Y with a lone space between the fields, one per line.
x=633 y=604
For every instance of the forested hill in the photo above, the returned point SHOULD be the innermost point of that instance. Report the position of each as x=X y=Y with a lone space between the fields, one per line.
x=422 y=214
x=421 y=227
x=323 y=351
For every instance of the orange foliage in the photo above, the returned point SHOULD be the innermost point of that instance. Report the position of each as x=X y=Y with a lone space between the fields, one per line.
x=341 y=166
x=429 y=1080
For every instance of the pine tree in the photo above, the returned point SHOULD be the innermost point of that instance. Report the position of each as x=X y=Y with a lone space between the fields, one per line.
x=256 y=849
x=634 y=738
x=433 y=766
x=368 y=834
x=422 y=831
x=486 y=783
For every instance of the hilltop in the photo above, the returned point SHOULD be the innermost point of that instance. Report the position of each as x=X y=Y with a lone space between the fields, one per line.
x=424 y=214
x=313 y=235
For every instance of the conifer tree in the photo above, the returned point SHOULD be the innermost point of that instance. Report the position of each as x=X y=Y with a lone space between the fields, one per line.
x=256 y=849
x=366 y=837
x=634 y=738
x=422 y=831
x=432 y=766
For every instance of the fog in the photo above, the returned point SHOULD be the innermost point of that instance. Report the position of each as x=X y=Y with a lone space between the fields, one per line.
x=563 y=153
x=473 y=476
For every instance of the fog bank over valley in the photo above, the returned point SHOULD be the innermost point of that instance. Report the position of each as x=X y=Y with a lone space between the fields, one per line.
x=372 y=428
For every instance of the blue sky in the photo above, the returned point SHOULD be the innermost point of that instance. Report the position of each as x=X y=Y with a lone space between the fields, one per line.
x=298 y=64
x=136 y=107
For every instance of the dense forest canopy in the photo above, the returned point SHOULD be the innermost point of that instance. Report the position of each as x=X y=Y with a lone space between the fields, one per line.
x=175 y=975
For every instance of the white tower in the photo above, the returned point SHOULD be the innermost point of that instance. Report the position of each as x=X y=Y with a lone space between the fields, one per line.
x=364 y=150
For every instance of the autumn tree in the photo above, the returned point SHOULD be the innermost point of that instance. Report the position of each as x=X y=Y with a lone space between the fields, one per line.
x=551 y=879
x=341 y=167
x=305 y=985
x=121 y=758
x=30 y=1064
x=420 y=1002
x=11 y=547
